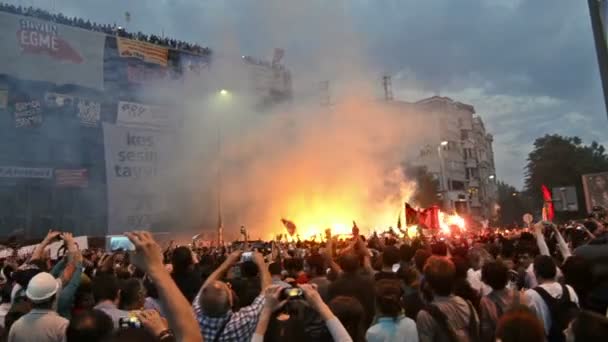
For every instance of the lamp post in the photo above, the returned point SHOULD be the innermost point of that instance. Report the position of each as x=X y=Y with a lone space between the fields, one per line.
x=442 y=181
x=223 y=96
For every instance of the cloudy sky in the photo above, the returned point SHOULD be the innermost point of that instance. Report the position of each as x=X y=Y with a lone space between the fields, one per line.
x=528 y=66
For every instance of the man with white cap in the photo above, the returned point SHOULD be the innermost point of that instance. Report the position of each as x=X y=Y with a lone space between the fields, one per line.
x=42 y=323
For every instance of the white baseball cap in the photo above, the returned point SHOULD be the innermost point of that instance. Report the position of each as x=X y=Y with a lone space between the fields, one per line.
x=41 y=287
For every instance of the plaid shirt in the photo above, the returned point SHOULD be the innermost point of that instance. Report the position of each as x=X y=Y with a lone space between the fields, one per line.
x=241 y=324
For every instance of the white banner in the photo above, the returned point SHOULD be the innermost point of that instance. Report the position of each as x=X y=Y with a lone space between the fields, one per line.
x=144 y=116
x=25 y=172
x=39 y=50
x=137 y=161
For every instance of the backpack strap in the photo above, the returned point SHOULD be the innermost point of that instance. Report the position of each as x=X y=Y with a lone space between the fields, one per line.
x=442 y=320
x=499 y=310
x=565 y=294
x=473 y=323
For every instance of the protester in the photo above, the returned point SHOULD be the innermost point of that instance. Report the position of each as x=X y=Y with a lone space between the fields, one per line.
x=273 y=303
x=448 y=317
x=500 y=300
x=187 y=278
x=390 y=257
x=352 y=315
x=106 y=292
x=89 y=326
x=587 y=326
x=551 y=301
x=213 y=304
x=42 y=323
x=354 y=282
x=107 y=29
x=520 y=325
x=391 y=324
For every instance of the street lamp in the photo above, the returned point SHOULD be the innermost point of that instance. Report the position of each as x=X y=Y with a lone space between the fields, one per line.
x=224 y=95
x=491 y=177
x=442 y=182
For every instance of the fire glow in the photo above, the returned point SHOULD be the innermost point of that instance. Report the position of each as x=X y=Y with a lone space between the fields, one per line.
x=314 y=213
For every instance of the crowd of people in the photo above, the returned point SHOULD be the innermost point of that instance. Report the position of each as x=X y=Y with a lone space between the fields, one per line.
x=59 y=18
x=546 y=283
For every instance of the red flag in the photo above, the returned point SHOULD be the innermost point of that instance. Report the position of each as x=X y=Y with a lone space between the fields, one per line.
x=548 y=202
x=429 y=217
x=290 y=226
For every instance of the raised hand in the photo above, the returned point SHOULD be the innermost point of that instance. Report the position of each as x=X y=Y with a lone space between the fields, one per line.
x=148 y=255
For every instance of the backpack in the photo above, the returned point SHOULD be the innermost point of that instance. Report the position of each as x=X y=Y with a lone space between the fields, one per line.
x=499 y=310
x=562 y=311
x=442 y=320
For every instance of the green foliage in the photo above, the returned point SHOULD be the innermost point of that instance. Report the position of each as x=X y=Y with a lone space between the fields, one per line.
x=561 y=161
x=513 y=205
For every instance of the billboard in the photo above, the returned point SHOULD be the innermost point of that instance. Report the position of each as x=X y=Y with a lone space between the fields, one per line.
x=564 y=198
x=596 y=190
x=146 y=116
x=39 y=50
x=147 y=52
x=136 y=164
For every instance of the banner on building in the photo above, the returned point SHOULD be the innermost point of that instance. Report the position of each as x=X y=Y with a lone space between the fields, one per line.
x=139 y=73
x=137 y=162
x=25 y=172
x=193 y=65
x=39 y=50
x=147 y=52
x=145 y=116
x=596 y=190
x=72 y=178
x=27 y=114
x=87 y=112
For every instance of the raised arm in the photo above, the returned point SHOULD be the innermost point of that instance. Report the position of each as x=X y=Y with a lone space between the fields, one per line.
x=39 y=250
x=336 y=329
x=540 y=238
x=148 y=256
x=232 y=259
x=265 y=277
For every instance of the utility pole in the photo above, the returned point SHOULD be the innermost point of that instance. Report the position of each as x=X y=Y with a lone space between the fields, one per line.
x=596 y=7
x=388 y=88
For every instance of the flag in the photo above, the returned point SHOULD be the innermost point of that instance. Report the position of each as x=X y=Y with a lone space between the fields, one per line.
x=550 y=211
x=429 y=217
x=278 y=55
x=290 y=226
x=411 y=215
x=77 y=178
x=355 y=229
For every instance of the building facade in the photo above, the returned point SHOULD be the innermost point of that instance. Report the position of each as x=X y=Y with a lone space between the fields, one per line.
x=459 y=153
x=58 y=108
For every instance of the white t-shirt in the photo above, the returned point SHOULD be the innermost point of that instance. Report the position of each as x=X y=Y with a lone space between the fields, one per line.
x=536 y=302
x=474 y=278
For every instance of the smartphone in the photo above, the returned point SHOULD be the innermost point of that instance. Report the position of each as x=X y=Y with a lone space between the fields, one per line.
x=246 y=256
x=119 y=243
x=129 y=322
x=292 y=293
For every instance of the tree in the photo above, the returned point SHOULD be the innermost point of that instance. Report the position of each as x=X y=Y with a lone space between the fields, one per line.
x=561 y=161
x=513 y=205
x=427 y=187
